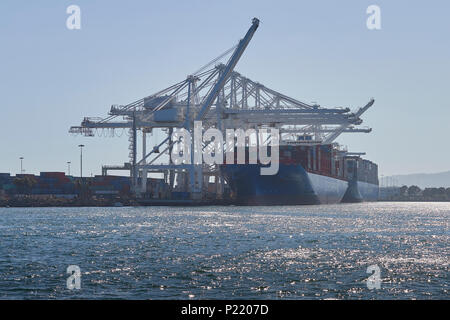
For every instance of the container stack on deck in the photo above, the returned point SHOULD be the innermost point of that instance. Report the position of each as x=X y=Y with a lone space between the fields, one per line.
x=367 y=171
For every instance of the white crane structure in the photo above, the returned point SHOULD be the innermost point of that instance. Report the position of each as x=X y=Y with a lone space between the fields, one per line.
x=221 y=98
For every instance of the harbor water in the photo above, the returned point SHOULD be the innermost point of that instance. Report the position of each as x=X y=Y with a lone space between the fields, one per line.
x=227 y=252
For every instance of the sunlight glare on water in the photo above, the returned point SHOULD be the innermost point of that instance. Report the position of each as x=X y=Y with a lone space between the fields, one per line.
x=281 y=252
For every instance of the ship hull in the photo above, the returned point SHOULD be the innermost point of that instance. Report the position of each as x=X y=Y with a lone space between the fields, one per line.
x=368 y=191
x=328 y=189
x=292 y=185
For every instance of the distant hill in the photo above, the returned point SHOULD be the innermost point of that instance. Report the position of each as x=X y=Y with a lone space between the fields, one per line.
x=423 y=180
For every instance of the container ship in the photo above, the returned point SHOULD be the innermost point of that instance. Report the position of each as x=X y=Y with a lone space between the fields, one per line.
x=308 y=174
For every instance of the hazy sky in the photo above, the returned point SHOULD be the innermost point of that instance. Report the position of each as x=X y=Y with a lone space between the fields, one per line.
x=51 y=77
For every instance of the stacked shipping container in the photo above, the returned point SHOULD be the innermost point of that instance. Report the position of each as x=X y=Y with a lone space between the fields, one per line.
x=325 y=160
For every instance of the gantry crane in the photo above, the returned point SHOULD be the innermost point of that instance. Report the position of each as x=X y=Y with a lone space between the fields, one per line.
x=221 y=98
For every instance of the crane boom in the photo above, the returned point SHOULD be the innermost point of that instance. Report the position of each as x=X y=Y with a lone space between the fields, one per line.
x=342 y=128
x=228 y=69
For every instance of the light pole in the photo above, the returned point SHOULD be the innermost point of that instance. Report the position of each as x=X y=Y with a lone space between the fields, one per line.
x=81 y=160
x=68 y=167
x=21 y=165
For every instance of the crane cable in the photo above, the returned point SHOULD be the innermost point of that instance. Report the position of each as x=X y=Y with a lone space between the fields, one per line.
x=216 y=59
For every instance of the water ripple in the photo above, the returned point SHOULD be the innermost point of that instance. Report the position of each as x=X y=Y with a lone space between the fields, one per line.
x=291 y=252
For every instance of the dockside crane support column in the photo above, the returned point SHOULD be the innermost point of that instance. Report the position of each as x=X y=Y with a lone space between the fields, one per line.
x=134 y=155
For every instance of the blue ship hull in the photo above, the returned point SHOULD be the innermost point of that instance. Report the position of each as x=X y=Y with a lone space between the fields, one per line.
x=368 y=191
x=291 y=185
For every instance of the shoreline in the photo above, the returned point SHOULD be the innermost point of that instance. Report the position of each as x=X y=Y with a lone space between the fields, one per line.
x=134 y=203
